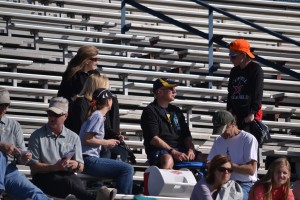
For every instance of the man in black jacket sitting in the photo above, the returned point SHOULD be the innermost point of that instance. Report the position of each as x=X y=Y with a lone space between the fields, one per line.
x=167 y=137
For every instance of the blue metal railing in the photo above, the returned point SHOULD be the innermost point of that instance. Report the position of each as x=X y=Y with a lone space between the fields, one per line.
x=211 y=39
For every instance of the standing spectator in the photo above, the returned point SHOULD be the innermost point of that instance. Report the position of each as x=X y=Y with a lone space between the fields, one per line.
x=12 y=147
x=79 y=110
x=167 y=137
x=78 y=70
x=245 y=87
x=275 y=185
x=52 y=170
x=239 y=145
x=92 y=138
x=216 y=185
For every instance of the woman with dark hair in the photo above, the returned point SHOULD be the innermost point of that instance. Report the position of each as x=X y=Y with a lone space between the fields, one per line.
x=275 y=185
x=216 y=185
x=78 y=70
x=92 y=139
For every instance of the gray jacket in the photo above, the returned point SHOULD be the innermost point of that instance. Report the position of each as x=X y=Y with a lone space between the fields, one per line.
x=230 y=191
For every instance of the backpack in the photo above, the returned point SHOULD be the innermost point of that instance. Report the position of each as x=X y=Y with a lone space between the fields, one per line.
x=260 y=131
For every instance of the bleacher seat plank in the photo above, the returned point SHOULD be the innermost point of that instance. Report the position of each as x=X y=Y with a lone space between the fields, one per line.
x=15 y=61
x=26 y=76
x=59 y=20
x=270 y=124
x=48 y=29
x=105 y=46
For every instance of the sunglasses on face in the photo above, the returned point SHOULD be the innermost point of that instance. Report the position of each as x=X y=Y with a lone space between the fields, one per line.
x=4 y=104
x=233 y=56
x=53 y=114
x=224 y=169
x=94 y=59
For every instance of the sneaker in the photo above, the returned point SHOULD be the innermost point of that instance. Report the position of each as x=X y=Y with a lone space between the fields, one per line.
x=71 y=197
x=105 y=193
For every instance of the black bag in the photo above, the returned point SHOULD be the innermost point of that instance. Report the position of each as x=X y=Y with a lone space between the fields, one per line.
x=260 y=131
x=131 y=156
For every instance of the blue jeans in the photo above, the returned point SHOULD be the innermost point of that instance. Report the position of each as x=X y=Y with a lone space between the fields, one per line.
x=16 y=184
x=246 y=186
x=103 y=167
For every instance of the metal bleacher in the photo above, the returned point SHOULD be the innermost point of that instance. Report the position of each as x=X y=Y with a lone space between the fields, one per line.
x=37 y=39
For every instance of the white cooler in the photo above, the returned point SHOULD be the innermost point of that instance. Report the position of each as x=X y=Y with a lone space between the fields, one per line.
x=171 y=183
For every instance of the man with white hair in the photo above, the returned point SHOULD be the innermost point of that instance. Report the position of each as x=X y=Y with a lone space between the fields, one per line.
x=57 y=155
x=239 y=145
x=12 y=150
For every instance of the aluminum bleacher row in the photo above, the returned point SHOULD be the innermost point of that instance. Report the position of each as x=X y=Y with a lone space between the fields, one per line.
x=37 y=39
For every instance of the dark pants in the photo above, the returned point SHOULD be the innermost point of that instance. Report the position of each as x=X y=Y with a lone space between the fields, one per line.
x=60 y=184
x=112 y=153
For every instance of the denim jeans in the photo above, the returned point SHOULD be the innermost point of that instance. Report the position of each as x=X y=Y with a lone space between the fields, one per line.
x=246 y=186
x=103 y=167
x=16 y=184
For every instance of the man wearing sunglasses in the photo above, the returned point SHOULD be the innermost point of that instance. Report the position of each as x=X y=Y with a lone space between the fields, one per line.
x=167 y=137
x=13 y=151
x=57 y=155
x=245 y=87
x=239 y=145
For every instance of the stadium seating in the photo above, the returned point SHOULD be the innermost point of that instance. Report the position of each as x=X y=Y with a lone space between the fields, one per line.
x=38 y=38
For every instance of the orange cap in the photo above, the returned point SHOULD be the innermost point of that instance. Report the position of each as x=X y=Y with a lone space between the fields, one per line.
x=241 y=45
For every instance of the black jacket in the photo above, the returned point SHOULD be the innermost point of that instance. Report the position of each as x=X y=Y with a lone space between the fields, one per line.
x=73 y=86
x=245 y=90
x=78 y=112
x=154 y=122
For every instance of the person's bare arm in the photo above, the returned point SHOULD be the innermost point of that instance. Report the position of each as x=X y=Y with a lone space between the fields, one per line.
x=160 y=144
x=188 y=143
x=38 y=167
x=89 y=139
x=247 y=168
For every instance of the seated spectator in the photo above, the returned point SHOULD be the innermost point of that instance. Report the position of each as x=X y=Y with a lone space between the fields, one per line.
x=52 y=170
x=12 y=148
x=239 y=145
x=167 y=137
x=216 y=185
x=92 y=138
x=275 y=184
x=78 y=70
x=79 y=109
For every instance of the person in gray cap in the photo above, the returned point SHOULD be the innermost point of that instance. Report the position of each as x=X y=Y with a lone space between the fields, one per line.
x=239 y=145
x=57 y=155
x=167 y=137
x=13 y=151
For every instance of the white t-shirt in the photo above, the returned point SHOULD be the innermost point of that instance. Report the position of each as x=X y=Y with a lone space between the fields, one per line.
x=241 y=149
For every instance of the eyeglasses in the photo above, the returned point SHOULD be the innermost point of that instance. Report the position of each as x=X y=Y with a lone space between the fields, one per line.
x=94 y=59
x=224 y=169
x=233 y=56
x=4 y=104
x=53 y=114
